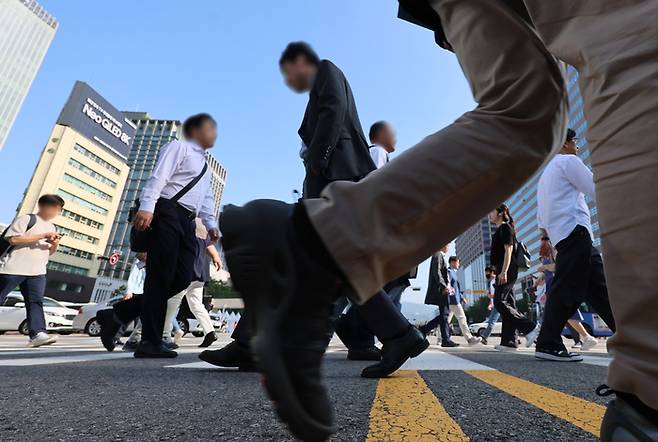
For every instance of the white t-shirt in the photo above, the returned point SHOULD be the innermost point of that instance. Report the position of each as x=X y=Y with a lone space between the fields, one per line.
x=28 y=259
x=561 y=195
x=379 y=155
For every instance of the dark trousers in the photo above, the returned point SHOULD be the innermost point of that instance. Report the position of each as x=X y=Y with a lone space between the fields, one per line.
x=513 y=320
x=579 y=278
x=169 y=268
x=440 y=321
x=32 y=288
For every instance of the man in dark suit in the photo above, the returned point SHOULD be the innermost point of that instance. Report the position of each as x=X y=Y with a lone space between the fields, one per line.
x=335 y=149
x=438 y=292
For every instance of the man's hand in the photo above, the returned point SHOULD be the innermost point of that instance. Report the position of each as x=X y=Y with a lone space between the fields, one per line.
x=502 y=278
x=217 y=262
x=489 y=307
x=50 y=236
x=214 y=234
x=127 y=296
x=142 y=220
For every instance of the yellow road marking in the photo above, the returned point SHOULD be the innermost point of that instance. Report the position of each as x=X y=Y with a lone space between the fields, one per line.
x=581 y=413
x=405 y=409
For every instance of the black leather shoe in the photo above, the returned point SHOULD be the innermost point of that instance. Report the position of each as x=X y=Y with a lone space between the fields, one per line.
x=290 y=299
x=364 y=354
x=145 y=349
x=110 y=327
x=449 y=344
x=232 y=355
x=130 y=346
x=171 y=345
x=208 y=340
x=395 y=352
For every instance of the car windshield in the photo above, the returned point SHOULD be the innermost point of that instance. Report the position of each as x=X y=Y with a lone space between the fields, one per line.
x=50 y=302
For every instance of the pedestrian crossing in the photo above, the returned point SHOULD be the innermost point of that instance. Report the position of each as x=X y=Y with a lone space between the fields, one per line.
x=411 y=405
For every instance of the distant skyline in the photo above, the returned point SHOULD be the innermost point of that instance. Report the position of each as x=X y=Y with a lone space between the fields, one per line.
x=173 y=61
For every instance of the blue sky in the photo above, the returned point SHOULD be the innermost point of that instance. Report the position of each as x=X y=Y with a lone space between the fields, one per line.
x=221 y=58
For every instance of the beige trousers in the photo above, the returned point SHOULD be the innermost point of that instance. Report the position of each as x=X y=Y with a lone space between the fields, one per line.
x=458 y=312
x=614 y=46
x=379 y=228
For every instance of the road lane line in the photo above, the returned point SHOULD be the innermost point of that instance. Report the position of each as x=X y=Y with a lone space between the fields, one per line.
x=579 y=412
x=405 y=409
x=24 y=362
x=439 y=360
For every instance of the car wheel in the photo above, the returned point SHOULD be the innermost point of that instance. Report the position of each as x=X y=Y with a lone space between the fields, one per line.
x=22 y=329
x=93 y=328
x=481 y=331
x=182 y=323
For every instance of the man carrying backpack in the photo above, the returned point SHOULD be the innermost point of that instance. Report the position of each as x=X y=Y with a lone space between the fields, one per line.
x=25 y=248
x=564 y=217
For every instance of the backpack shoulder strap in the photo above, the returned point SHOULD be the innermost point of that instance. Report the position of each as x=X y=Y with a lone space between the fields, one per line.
x=31 y=222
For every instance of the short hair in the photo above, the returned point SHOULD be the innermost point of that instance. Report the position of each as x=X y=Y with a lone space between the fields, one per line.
x=51 y=200
x=375 y=128
x=490 y=268
x=453 y=258
x=297 y=49
x=195 y=122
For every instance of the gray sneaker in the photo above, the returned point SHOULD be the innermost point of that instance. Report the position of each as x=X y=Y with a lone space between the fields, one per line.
x=41 y=338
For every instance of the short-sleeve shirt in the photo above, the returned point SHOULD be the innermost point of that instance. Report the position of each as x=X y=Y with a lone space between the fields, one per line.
x=503 y=236
x=28 y=259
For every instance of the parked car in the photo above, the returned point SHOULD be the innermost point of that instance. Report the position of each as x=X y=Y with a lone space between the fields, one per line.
x=13 y=318
x=477 y=328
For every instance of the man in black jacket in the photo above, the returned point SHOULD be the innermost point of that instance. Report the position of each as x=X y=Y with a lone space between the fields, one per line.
x=335 y=149
x=438 y=291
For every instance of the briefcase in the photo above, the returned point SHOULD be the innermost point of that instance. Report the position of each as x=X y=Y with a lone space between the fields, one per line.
x=139 y=240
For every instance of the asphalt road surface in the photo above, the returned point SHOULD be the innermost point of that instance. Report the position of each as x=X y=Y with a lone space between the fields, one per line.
x=75 y=391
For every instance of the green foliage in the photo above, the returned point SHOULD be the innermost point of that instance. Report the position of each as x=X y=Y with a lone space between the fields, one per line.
x=478 y=311
x=220 y=289
x=119 y=291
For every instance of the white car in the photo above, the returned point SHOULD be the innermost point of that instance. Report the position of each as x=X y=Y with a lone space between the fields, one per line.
x=13 y=318
x=477 y=328
x=419 y=314
x=86 y=322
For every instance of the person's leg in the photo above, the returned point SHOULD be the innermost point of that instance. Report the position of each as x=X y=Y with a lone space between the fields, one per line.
x=195 y=301
x=169 y=267
x=491 y=320
x=444 y=325
x=459 y=313
x=241 y=332
x=597 y=291
x=359 y=334
x=395 y=293
x=513 y=320
x=173 y=304
x=136 y=334
x=33 y=289
x=450 y=314
x=572 y=270
x=374 y=239
x=619 y=83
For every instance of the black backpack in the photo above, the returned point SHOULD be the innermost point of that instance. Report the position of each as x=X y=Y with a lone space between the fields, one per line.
x=5 y=246
x=522 y=256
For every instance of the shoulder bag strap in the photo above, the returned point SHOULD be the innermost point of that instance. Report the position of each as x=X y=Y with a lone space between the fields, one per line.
x=189 y=185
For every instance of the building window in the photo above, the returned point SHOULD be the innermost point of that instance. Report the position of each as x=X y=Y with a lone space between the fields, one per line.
x=97 y=159
x=87 y=187
x=82 y=219
x=66 y=250
x=82 y=202
x=76 y=235
x=59 y=267
x=92 y=173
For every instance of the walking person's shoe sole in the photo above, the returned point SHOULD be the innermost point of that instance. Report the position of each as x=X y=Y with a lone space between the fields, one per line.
x=621 y=423
x=550 y=356
x=35 y=344
x=265 y=277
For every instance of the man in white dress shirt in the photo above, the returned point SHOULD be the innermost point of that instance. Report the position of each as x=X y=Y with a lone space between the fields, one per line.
x=563 y=216
x=383 y=139
x=177 y=192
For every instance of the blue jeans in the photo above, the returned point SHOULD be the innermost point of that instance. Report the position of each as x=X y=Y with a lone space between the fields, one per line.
x=494 y=316
x=32 y=289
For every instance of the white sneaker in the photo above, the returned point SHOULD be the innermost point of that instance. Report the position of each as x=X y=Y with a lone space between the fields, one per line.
x=506 y=348
x=178 y=336
x=40 y=339
x=474 y=340
x=531 y=337
x=589 y=343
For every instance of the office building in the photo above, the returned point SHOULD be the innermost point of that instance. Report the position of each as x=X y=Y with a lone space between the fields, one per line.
x=473 y=248
x=150 y=136
x=523 y=204
x=83 y=161
x=26 y=31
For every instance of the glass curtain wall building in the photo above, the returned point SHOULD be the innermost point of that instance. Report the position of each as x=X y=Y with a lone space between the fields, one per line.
x=26 y=31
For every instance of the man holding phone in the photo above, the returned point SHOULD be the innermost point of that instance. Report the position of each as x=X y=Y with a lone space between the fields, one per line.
x=25 y=248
